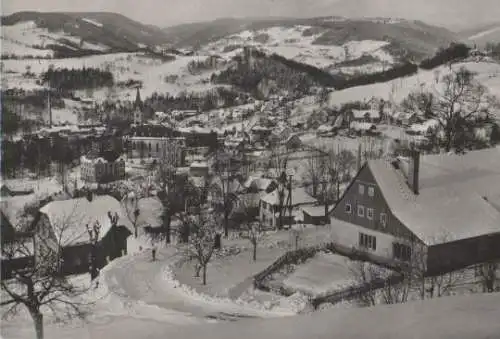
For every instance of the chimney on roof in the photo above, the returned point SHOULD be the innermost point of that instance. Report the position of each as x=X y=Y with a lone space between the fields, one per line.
x=414 y=171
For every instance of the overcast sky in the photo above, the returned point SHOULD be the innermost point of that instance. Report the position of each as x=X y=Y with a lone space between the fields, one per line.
x=449 y=13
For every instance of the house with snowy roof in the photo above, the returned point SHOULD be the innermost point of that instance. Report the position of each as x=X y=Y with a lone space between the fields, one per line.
x=64 y=225
x=443 y=208
x=367 y=115
x=270 y=204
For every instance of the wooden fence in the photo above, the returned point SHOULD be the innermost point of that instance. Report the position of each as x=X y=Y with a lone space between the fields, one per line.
x=302 y=254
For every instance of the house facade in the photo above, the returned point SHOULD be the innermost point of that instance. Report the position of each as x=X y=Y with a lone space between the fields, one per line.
x=442 y=209
x=106 y=167
x=153 y=147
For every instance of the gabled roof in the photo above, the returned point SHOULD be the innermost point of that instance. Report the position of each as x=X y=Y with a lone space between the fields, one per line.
x=69 y=218
x=299 y=197
x=458 y=195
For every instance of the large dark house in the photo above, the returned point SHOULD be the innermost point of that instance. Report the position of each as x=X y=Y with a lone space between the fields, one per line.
x=443 y=208
x=66 y=223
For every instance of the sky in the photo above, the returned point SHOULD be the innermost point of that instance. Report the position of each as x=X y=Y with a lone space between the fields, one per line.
x=453 y=14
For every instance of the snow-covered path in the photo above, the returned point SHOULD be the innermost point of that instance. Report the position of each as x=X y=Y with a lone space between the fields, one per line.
x=137 y=277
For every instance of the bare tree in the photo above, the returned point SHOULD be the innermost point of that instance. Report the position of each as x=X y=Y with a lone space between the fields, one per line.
x=323 y=96
x=222 y=188
x=339 y=168
x=489 y=275
x=131 y=205
x=202 y=234
x=420 y=102
x=167 y=179
x=41 y=286
x=278 y=163
x=316 y=167
x=461 y=105
x=362 y=274
x=252 y=228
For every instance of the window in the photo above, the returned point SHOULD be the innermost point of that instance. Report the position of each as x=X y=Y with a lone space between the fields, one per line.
x=133 y=145
x=348 y=208
x=157 y=148
x=383 y=219
x=361 y=211
x=371 y=191
x=361 y=189
x=401 y=252
x=367 y=241
x=369 y=213
x=264 y=205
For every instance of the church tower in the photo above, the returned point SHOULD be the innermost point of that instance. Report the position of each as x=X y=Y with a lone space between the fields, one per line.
x=138 y=114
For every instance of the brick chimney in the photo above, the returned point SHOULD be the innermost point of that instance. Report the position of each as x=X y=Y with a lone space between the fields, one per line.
x=414 y=171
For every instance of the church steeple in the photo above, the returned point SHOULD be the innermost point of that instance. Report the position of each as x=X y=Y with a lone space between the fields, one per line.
x=138 y=101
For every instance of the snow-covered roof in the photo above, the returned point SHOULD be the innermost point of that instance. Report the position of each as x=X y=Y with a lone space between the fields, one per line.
x=360 y=114
x=315 y=211
x=199 y=164
x=69 y=218
x=325 y=128
x=260 y=183
x=455 y=192
x=424 y=127
x=362 y=126
x=299 y=197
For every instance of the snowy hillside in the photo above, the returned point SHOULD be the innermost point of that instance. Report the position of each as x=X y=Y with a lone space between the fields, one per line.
x=76 y=33
x=297 y=44
x=27 y=39
x=124 y=66
x=488 y=73
x=483 y=34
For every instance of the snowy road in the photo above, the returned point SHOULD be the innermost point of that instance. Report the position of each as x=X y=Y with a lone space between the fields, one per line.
x=138 y=278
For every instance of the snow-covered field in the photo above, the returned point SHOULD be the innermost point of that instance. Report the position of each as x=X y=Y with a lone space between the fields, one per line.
x=124 y=66
x=321 y=274
x=26 y=39
x=10 y=47
x=488 y=73
x=291 y=43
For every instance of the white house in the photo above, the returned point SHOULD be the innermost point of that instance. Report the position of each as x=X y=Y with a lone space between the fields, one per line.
x=270 y=203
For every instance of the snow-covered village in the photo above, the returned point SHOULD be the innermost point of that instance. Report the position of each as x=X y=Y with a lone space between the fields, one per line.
x=287 y=176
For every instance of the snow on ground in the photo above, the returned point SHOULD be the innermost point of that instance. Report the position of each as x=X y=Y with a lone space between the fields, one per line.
x=226 y=273
x=484 y=33
x=225 y=304
x=93 y=22
x=488 y=73
x=28 y=35
x=290 y=43
x=321 y=274
x=466 y=317
x=12 y=48
x=124 y=66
